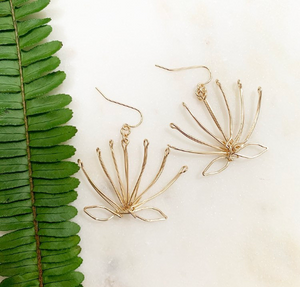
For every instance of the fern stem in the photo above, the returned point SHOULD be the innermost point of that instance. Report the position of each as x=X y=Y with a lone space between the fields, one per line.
x=36 y=228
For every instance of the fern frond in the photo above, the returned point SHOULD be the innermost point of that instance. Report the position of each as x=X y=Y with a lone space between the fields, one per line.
x=40 y=247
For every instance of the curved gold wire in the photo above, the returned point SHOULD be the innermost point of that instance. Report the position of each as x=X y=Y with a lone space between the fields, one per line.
x=188 y=68
x=163 y=216
x=205 y=171
x=127 y=106
x=264 y=149
x=85 y=209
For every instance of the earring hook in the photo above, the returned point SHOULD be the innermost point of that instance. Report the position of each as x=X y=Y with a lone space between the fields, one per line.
x=188 y=68
x=130 y=107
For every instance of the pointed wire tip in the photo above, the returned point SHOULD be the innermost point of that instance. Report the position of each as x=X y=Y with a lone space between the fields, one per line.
x=183 y=169
x=173 y=126
x=167 y=151
x=205 y=173
x=184 y=104
x=239 y=84
x=161 y=67
x=106 y=98
x=100 y=92
x=170 y=146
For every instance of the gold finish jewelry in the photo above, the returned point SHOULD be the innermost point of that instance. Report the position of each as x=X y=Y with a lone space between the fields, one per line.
x=229 y=146
x=130 y=200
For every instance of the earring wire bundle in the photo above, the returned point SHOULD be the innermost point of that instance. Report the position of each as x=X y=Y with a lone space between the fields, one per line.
x=229 y=146
x=130 y=200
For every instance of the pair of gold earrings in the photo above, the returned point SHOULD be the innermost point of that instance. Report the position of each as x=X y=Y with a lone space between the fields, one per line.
x=131 y=200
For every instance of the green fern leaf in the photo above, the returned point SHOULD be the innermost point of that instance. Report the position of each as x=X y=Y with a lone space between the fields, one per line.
x=40 y=247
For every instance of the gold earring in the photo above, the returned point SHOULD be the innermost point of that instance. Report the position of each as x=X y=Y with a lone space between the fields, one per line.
x=130 y=202
x=229 y=146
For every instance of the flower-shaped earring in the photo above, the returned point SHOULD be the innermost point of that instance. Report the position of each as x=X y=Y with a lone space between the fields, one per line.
x=230 y=146
x=129 y=200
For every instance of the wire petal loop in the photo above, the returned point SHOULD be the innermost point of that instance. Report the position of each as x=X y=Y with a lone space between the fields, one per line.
x=87 y=208
x=206 y=171
x=156 y=210
x=262 y=149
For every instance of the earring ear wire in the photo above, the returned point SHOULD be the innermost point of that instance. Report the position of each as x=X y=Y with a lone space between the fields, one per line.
x=127 y=106
x=188 y=68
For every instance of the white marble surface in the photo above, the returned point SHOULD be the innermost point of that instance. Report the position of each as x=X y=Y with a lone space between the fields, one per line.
x=237 y=229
